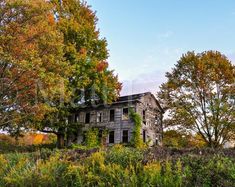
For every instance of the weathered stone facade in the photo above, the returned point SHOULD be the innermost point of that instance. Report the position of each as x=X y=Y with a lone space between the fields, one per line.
x=115 y=118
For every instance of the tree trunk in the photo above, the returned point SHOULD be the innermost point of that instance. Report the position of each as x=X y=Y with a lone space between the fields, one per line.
x=60 y=140
x=70 y=139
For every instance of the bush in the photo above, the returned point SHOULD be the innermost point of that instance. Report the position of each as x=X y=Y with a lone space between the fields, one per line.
x=124 y=156
x=210 y=171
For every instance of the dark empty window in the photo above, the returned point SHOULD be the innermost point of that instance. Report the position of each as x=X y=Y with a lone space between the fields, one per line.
x=111 y=115
x=87 y=119
x=125 y=136
x=111 y=137
x=144 y=115
x=100 y=134
x=157 y=142
x=125 y=113
x=144 y=136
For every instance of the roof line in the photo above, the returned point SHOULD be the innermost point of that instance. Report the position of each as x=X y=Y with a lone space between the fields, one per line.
x=135 y=94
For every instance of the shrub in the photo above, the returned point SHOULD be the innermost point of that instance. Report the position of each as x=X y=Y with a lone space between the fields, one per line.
x=210 y=171
x=124 y=156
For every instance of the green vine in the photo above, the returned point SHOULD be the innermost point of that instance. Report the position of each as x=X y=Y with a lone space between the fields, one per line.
x=92 y=139
x=136 y=140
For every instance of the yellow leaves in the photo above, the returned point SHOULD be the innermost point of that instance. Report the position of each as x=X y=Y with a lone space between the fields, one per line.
x=97 y=159
x=3 y=163
x=152 y=167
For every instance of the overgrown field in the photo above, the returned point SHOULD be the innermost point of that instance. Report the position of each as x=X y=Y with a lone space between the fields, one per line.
x=118 y=166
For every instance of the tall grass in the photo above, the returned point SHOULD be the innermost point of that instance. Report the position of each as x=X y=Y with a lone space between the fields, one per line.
x=120 y=166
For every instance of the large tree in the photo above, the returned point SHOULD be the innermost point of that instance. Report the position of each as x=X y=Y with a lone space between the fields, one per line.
x=199 y=95
x=86 y=53
x=32 y=66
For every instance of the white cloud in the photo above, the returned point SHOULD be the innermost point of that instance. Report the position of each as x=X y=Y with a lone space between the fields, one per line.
x=147 y=82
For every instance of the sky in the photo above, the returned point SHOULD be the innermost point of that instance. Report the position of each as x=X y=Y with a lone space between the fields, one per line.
x=147 y=37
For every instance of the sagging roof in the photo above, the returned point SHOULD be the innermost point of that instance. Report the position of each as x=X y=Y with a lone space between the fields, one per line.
x=137 y=97
x=131 y=99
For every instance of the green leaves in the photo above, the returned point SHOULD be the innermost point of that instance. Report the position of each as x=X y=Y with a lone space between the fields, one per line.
x=136 y=140
x=198 y=95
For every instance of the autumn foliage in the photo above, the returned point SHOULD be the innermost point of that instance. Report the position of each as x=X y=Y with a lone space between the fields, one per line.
x=199 y=95
x=51 y=57
x=31 y=64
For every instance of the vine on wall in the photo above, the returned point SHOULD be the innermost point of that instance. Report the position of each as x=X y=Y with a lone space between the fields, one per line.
x=92 y=139
x=136 y=140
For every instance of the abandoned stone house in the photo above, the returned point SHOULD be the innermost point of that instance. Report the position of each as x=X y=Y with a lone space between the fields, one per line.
x=115 y=118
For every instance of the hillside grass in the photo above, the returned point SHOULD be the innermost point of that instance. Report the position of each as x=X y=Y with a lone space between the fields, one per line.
x=118 y=166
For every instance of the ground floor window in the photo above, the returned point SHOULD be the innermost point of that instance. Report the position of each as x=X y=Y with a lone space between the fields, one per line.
x=157 y=140
x=125 y=136
x=100 y=134
x=111 y=136
x=76 y=118
x=87 y=118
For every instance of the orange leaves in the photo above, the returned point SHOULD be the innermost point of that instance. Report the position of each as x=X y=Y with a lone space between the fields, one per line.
x=51 y=19
x=32 y=47
x=83 y=51
x=101 y=66
x=38 y=138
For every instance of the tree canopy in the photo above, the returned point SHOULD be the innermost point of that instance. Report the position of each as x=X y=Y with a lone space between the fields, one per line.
x=86 y=54
x=31 y=61
x=199 y=95
x=52 y=61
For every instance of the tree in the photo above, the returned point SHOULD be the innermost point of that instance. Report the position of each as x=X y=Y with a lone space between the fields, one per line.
x=173 y=138
x=32 y=66
x=178 y=139
x=200 y=96
x=91 y=81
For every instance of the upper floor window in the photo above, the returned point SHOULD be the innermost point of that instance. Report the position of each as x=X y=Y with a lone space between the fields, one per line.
x=111 y=115
x=144 y=115
x=99 y=117
x=125 y=113
x=87 y=117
